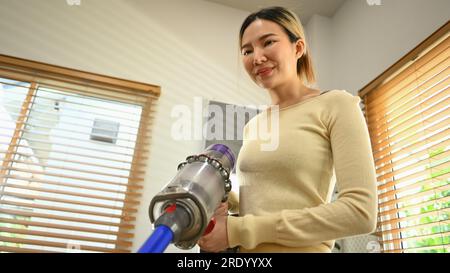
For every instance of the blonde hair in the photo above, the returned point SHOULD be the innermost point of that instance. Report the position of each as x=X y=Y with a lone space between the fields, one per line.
x=293 y=28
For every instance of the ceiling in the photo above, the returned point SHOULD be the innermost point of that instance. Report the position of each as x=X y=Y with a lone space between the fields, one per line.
x=304 y=8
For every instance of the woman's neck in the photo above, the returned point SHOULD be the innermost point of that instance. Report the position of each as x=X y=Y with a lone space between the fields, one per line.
x=291 y=93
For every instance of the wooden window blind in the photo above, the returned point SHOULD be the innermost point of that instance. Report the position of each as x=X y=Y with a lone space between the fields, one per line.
x=73 y=147
x=407 y=112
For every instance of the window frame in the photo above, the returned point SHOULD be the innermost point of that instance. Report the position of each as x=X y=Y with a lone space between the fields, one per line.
x=37 y=73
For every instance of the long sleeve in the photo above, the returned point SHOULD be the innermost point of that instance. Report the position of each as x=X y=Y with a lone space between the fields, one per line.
x=355 y=210
x=233 y=202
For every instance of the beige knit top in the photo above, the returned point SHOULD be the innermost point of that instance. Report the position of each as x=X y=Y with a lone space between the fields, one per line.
x=285 y=194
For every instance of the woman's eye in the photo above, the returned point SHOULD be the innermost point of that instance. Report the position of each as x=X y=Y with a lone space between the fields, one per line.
x=269 y=42
x=246 y=52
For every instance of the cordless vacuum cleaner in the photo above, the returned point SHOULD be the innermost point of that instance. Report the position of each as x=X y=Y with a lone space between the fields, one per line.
x=183 y=211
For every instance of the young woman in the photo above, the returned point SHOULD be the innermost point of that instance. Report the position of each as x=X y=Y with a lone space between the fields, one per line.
x=285 y=195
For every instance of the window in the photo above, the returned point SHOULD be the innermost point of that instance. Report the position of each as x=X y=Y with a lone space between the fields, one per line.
x=407 y=111
x=72 y=154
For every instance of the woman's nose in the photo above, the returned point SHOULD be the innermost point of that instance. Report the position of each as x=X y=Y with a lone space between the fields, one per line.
x=258 y=56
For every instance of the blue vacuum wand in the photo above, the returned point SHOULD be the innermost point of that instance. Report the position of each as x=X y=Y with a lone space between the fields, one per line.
x=158 y=241
x=183 y=211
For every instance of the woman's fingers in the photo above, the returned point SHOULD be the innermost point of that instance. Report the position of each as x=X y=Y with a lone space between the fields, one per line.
x=222 y=209
x=217 y=240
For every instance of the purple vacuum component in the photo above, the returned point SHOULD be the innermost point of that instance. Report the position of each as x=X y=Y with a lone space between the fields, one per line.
x=225 y=151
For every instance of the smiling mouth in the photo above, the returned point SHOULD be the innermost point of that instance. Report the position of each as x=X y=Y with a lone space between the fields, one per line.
x=264 y=72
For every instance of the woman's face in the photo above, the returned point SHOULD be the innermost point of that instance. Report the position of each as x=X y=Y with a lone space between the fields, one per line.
x=268 y=56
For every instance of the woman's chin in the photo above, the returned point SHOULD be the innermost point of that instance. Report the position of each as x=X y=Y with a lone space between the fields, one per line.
x=265 y=84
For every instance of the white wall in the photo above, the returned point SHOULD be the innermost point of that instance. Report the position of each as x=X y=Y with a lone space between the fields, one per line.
x=360 y=41
x=318 y=33
x=188 y=47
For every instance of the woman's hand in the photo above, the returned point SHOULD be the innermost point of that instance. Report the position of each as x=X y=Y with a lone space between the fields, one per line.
x=217 y=239
x=221 y=210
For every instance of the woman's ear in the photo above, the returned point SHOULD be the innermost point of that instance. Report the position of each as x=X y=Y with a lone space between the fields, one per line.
x=299 y=48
